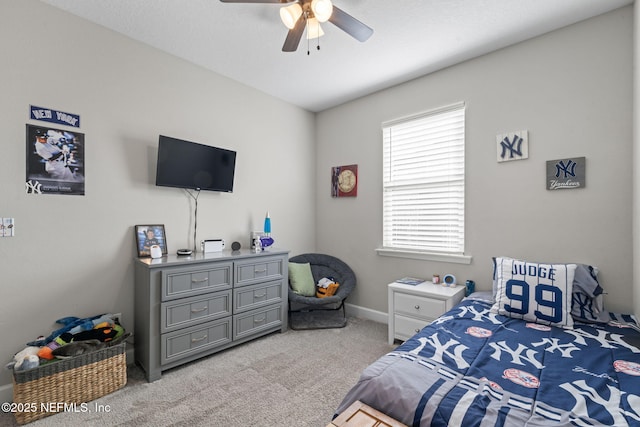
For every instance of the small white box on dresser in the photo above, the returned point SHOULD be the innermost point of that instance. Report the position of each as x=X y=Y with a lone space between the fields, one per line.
x=412 y=307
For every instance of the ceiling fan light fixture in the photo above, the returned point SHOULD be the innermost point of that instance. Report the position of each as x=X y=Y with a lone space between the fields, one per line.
x=322 y=9
x=314 y=30
x=290 y=15
x=301 y=16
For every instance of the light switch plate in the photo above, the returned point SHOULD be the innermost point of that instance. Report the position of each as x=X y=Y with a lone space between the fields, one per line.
x=8 y=227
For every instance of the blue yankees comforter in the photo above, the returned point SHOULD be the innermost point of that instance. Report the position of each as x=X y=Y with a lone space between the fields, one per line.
x=475 y=368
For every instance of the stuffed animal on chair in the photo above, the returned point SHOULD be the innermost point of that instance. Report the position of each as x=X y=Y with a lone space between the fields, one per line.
x=327 y=287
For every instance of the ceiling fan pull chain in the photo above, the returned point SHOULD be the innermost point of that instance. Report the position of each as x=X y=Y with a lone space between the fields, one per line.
x=306 y=23
x=319 y=34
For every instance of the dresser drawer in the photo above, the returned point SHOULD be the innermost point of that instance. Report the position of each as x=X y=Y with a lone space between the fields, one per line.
x=180 y=283
x=259 y=270
x=253 y=322
x=255 y=296
x=184 y=342
x=406 y=327
x=185 y=312
x=419 y=306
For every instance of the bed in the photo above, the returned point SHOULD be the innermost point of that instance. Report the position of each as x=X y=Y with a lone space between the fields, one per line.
x=536 y=351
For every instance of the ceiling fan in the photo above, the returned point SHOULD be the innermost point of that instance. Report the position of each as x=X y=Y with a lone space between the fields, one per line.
x=300 y=14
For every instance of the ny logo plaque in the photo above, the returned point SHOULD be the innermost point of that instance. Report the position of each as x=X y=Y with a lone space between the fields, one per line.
x=513 y=146
x=566 y=174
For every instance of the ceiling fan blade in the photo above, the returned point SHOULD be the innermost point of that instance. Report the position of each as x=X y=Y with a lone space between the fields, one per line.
x=350 y=25
x=258 y=1
x=294 y=35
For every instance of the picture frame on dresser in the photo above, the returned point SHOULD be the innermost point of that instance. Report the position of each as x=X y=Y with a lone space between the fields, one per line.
x=149 y=235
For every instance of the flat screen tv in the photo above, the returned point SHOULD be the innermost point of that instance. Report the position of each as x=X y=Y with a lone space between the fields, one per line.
x=185 y=164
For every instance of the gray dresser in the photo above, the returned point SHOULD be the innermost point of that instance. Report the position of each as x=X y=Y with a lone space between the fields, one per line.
x=190 y=307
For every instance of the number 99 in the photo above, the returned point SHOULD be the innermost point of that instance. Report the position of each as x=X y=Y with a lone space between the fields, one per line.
x=541 y=292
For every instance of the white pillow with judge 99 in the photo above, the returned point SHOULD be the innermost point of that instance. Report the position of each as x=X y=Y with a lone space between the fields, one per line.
x=535 y=292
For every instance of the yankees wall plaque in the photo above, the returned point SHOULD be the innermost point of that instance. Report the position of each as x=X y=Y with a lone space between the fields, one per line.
x=513 y=146
x=566 y=174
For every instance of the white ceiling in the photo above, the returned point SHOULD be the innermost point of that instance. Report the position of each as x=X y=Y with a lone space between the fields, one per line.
x=411 y=38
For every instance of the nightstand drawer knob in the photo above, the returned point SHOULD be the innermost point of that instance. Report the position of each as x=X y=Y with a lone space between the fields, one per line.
x=417 y=330
x=417 y=307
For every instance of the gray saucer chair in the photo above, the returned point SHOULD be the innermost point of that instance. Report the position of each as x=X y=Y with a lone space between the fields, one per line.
x=319 y=313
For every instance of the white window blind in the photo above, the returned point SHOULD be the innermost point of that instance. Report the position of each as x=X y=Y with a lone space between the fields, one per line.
x=423 y=182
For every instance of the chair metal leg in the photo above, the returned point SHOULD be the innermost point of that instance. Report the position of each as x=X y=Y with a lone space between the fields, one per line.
x=314 y=319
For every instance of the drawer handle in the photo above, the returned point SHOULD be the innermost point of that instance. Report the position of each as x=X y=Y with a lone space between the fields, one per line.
x=198 y=310
x=199 y=339
x=259 y=320
x=260 y=296
x=264 y=270
x=199 y=280
x=417 y=330
x=417 y=307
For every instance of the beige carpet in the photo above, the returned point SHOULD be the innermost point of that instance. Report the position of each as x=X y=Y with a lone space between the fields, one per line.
x=293 y=379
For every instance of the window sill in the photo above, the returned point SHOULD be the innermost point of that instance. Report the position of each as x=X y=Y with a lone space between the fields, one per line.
x=425 y=256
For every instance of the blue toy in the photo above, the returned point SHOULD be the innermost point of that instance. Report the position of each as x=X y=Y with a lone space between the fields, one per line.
x=74 y=324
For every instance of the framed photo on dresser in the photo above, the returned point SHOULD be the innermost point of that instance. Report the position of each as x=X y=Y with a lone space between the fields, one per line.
x=149 y=235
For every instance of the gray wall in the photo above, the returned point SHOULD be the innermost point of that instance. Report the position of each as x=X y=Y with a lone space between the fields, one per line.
x=73 y=255
x=572 y=90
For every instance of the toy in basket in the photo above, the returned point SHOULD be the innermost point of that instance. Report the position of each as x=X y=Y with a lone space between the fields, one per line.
x=86 y=364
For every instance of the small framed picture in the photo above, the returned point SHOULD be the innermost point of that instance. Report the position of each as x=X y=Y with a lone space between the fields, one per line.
x=149 y=235
x=344 y=181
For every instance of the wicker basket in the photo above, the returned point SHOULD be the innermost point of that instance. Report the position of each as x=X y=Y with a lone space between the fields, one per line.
x=43 y=391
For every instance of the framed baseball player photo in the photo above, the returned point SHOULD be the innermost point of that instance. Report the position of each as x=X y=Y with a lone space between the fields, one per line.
x=55 y=161
x=148 y=236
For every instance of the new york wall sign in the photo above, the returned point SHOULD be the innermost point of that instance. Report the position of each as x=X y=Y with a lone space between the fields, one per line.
x=566 y=174
x=54 y=116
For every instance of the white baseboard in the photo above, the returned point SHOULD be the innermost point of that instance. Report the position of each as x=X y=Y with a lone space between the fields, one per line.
x=6 y=393
x=366 y=313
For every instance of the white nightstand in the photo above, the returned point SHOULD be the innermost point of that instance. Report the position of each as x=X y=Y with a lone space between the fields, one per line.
x=411 y=308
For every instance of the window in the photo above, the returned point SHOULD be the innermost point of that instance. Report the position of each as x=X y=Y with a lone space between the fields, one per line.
x=423 y=185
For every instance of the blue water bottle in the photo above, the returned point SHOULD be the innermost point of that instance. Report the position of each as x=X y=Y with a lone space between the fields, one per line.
x=471 y=287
